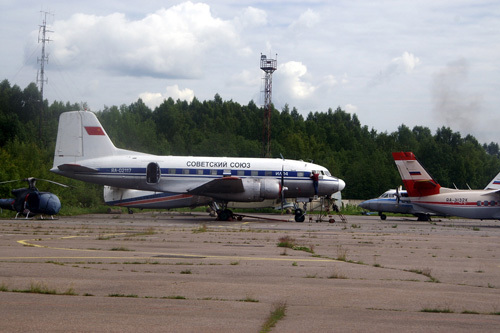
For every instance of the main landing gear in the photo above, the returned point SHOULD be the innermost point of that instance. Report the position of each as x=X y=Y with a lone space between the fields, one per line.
x=223 y=213
x=300 y=214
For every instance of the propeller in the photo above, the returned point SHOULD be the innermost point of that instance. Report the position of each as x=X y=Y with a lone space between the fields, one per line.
x=282 y=188
x=282 y=184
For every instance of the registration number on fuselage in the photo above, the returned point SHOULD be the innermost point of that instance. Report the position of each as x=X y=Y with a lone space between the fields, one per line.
x=457 y=200
x=121 y=170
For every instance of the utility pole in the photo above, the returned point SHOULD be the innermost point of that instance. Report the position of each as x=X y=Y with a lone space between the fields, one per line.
x=268 y=66
x=40 y=77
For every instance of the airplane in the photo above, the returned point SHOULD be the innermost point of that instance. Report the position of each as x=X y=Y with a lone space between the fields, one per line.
x=85 y=152
x=394 y=201
x=30 y=201
x=426 y=193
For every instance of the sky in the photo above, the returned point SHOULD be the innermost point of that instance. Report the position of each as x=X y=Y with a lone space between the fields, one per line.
x=419 y=63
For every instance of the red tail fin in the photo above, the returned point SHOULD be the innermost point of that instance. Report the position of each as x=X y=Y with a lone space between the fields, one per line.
x=417 y=181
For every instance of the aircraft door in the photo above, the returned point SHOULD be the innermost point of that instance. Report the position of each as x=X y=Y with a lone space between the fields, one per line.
x=153 y=173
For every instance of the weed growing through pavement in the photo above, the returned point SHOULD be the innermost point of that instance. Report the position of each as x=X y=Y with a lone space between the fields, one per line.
x=342 y=253
x=425 y=272
x=291 y=243
x=278 y=312
x=337 y=275
x=120 y=248
x=42 y=288
x=202 y=228
x=249 y=299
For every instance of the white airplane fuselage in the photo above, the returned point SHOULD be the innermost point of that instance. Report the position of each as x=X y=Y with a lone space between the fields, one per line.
x=473 y=204
x=181 y=174
x=85 y=152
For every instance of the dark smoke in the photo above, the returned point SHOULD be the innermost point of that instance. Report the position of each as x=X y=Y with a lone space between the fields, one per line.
x=454 y=106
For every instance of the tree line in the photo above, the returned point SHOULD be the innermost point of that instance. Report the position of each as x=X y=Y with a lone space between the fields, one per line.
x=333 y=138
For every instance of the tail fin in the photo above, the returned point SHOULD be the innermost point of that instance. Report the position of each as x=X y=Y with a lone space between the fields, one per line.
x=81 y=136
x=494 y=184
x=417 y=181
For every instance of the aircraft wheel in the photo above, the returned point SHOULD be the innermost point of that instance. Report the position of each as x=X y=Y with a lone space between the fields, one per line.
x=225 y=215
x=299 y=215
x=423 y=217
x=383 y=217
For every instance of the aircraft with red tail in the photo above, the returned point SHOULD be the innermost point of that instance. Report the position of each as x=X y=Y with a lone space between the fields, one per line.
x=426 y=193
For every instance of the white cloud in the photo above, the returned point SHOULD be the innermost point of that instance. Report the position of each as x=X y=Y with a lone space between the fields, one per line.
x=246 y=78
x=293 y=75
x=171 y=42
x=251 y=17
x=351 y=108
x=307 y=20
x=153 y=100
x=405 y=63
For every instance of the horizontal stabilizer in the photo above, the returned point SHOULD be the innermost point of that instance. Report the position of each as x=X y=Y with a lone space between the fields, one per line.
x=75 y=168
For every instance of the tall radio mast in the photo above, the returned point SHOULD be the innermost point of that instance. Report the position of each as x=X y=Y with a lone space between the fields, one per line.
x=40 y=77
x=268 y=66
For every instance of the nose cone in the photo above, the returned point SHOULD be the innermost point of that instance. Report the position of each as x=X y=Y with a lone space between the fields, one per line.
x=341 y=184
x=365 y=205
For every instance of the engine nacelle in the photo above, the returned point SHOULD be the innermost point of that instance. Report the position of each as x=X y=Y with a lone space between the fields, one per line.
x=254 y=189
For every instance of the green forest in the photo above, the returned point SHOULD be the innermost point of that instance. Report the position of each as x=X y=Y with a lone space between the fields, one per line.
x=333 y=138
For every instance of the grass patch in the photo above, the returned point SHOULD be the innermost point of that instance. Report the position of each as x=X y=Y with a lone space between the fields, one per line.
x=202 y=228
x=123 y=295
x=425 y=272
x=148 y=232
x=469 y=312
x=337 y=275
x=174 y=297
x=286 y=241
x=290 y=243
x=342 y=253
x=186 y=271
x=42 y=288
x=120 y=248
x=249 y=299
x=278 y=312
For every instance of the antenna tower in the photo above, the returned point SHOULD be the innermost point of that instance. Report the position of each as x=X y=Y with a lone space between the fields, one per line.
x=40 y=77
x=268 y=66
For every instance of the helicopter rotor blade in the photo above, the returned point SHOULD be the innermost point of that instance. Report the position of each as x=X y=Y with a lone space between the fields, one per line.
x=32 y=180
x=11 y=181
x=53 y=182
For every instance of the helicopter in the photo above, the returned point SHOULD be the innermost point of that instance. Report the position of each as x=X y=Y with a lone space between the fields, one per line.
x=29 y=201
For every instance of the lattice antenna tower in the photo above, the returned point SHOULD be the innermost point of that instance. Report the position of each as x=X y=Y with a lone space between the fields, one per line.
x=268 y=66
x=40 y=76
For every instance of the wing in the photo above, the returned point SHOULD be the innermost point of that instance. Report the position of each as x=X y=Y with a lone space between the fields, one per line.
x=220 y=185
